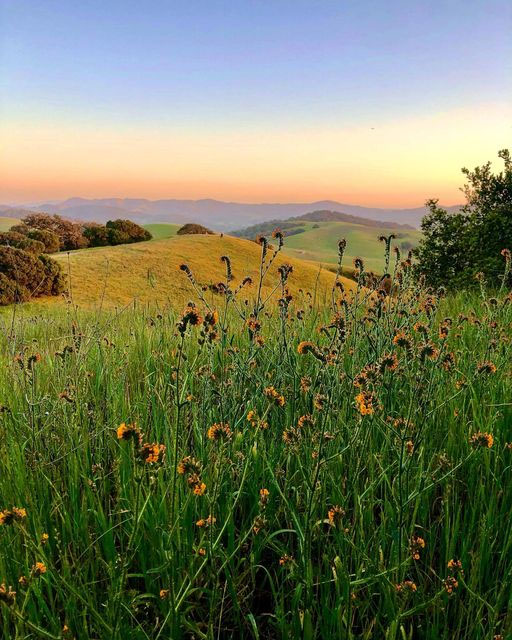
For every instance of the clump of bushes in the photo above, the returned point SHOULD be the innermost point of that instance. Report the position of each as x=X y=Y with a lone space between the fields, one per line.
x=24 y=275
x=192 y=228
x=58 y=234
x=19 y=241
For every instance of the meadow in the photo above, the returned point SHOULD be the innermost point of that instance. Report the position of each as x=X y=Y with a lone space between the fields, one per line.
x=314 y=466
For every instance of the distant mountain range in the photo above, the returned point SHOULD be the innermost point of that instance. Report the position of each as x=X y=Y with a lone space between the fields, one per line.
x=222 y=216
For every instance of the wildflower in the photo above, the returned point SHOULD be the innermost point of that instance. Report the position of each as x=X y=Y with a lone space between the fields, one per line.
x=219 y=431
x=389 y=362
x=192 y=316
x=201 y=551
x=264 y=494
x=305 y=384
x=273 y=395
x=364 y=403
x=304 y=347
x=428 y=350
x=401 y=340
x=486 y=367
x=38 y=569
x=204 y=523
x=211 y=318
x=416 y=544
x=7 y=595
x=450 y=584
x=15 y=514
x=164 y=594
x=129 y=432
x=334 y=515
x=480 y=439
x=306 y=421
x=188 y=465
x=152 y=453
x=406 y=586
x=44 y=538
x=419 y=327
x=444 y=329
x=291 y=436
x=286 y=560
x=319 y=401
x=198 y=487
x=409 y=447
x=23 y=581
x=259 y=523
x=455 y=566
x=448 y=361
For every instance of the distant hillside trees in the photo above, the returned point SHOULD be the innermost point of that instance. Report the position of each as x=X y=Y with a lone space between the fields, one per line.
x=58 y=234
x=192 y=228
x=457 y=246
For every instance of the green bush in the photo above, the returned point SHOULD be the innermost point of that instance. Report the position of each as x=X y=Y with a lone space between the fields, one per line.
x=25 y=275
x=20 y=241
x=96 y=234
x=125 y=232
x=192 y=228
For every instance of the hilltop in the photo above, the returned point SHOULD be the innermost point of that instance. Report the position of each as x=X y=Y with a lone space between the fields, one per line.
x=149 y=271
x=215 y=213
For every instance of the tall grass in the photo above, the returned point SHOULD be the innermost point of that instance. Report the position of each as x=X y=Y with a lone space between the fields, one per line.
x=327 y=473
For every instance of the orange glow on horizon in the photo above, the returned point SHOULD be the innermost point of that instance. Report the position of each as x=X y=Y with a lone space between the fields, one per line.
x=396 y=164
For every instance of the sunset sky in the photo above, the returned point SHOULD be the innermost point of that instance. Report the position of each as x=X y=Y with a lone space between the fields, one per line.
x=378 y=103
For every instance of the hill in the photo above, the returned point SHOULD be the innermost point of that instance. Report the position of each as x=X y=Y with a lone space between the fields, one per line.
x=115 y=276
x=162 y=230
x=6 y=222
x=215 y=213
x=318 y=242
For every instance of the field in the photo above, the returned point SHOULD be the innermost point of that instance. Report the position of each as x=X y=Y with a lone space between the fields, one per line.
x=6 y=223
x=318 y=243
x=149 y=271
x=162 y=230
x=308 y=468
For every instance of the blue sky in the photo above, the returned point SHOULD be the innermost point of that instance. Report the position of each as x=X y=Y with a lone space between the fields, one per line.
x=248 y=67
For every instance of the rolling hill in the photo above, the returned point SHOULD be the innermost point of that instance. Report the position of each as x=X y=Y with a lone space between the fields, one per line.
x=6 y=222
x=213 y=213
x=149 y=271
x=162 y=230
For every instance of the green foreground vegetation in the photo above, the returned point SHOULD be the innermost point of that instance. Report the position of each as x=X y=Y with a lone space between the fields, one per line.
x=255 y=471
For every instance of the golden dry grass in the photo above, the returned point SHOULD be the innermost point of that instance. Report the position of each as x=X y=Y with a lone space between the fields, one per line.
x=149 y=271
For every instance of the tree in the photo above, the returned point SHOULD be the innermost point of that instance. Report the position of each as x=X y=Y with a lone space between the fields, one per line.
x=125 y=231
x=70 y=233
x=457 y=246
x=192 y=228
x=96 y=234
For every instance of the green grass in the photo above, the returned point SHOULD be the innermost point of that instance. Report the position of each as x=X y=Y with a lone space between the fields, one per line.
x=349 y=495
x=162 y=230
x=320 y=244
x=6 y=223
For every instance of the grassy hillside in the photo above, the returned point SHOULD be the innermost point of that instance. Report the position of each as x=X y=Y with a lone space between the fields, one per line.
x=6 y=222
x=162 y=230
x=149 y=271
x=318 y=242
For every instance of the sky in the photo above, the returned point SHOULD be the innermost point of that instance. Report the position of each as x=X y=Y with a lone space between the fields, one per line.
x=378 y=103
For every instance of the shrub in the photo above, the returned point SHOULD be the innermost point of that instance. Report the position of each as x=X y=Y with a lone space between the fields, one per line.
x=49 y=239
x=96 y=234
x=125 y=232
x=24 y=275
x=192 y=228
x=20 y=241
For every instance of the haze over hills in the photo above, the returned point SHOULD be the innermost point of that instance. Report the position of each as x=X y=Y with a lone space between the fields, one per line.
x=222 y=216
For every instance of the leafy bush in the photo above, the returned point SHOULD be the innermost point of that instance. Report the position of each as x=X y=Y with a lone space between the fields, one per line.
x=457 y=246
x=192 y=228
x=125 y=232
x=49 y=239
x=20 y=241
x=96 y=234
x=25 y=275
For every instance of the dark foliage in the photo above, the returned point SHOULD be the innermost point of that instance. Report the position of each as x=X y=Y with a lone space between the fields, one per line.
x=24 y=275
x=457 y=246
x=125 y=232
x=69 y=233
x=20 y=241
x=192 y=228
